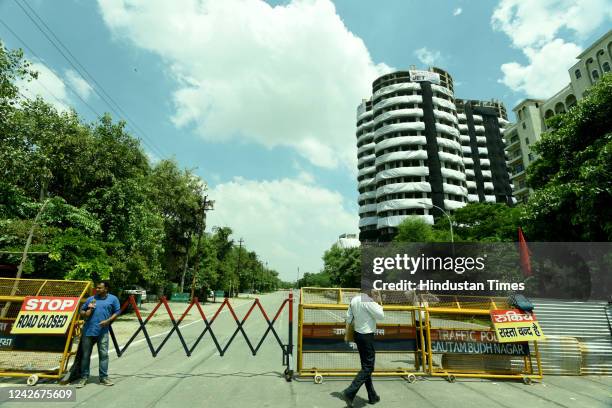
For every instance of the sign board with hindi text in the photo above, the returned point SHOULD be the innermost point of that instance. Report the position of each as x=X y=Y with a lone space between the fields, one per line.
x=515 y=325
x=45 y=315
x=467 y=341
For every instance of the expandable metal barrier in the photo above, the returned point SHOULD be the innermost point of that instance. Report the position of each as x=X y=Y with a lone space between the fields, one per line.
x=287 y=349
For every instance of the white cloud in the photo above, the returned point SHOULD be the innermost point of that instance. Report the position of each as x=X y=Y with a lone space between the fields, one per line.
x=289 y=222
x=535 y=23
x=48 y=86
x=427 y=57
x=288 y=75
x=535 y=28
x=77 y=83
x=457 y=11
x=546 y=72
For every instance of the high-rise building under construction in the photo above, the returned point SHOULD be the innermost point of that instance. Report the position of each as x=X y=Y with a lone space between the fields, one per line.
x=421 y=151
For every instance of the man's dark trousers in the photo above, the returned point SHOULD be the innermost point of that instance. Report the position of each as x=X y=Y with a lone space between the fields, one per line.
x=367 y=355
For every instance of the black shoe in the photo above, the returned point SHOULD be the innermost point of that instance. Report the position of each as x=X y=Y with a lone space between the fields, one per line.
x=374 y=400
x=347 y=399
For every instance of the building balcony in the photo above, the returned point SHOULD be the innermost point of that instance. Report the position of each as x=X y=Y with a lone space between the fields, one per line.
x=513 y=145
x=515 y=159
x=522 y=190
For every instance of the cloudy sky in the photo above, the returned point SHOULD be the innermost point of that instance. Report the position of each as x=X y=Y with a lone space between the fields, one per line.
x=259 y=97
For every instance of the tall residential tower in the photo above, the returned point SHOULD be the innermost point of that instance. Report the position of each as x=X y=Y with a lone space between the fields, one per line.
x=418 y=156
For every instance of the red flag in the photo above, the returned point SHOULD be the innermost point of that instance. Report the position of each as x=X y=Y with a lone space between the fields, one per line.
x=524 y=254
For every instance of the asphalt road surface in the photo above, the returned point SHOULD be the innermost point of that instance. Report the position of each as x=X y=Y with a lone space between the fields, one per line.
x=239 y=379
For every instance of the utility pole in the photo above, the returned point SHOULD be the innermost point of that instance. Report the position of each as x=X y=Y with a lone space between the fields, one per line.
x=240 y=241
x=254 y=273
x=298 y=278
x=206 y=206
x=186 y=263
x=24 y=257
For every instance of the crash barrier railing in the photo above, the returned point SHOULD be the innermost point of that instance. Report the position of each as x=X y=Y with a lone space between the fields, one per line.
x=287 y=349
x=322 y=350
x=455 y=338
x=462 y=343
x=38 y=354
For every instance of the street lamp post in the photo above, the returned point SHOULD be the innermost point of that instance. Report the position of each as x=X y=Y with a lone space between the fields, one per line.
x=450 y=223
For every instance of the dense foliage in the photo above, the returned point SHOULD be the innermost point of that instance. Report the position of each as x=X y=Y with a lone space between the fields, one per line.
x=111 y=213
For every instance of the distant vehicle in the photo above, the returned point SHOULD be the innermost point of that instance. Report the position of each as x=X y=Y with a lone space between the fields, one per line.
x=135 y=290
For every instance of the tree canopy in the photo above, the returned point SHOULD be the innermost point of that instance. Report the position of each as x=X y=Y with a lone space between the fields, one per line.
x=112 y=214
x=572 y=176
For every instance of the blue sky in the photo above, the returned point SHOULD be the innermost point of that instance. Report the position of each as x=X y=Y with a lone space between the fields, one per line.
x=259 y=98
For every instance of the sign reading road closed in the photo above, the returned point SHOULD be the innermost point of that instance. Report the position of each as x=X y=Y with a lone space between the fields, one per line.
x=45 y=315
x=515 y=325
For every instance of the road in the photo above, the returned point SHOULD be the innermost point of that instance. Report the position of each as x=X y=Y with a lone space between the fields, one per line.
x=239 y=379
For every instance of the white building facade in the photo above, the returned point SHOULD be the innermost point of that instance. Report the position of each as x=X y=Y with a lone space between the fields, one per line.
x=531 y=114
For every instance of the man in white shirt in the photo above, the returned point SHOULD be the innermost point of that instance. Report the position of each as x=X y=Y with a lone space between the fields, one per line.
x=364 y=311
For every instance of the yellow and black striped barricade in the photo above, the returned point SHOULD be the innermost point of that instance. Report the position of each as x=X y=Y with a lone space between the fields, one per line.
x=38 y=344
x=322 y=350
x=461 y=342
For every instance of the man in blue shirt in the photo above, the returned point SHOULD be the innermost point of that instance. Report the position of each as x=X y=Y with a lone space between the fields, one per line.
x=99 y=311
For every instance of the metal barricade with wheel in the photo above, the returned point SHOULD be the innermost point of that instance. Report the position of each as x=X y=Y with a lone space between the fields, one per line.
x=45 y=350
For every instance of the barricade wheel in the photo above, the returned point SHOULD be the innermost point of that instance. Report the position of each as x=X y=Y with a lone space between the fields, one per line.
x=451 y=378
x=288 y=374
x=527 y=381
x=32 y=380
x=318 y=379
x=411 y=378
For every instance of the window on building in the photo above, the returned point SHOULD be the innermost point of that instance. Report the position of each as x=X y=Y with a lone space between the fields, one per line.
x=578 y=74
x=527 y=141
x=606 y=66
x=530 y=157
x=519 y=168
x=524 y=126
x=595 y=74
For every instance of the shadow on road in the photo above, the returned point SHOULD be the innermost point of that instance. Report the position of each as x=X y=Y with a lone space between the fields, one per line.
x=358 y=402
x=202 y=375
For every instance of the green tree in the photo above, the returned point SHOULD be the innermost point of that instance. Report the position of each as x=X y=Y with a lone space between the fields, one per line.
x=319 y=280
x=572 y=177
x=111 y=213
x=133 y=230
x=343 y=266
x=177 y=195
x=414 y=229
x=485 y=222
